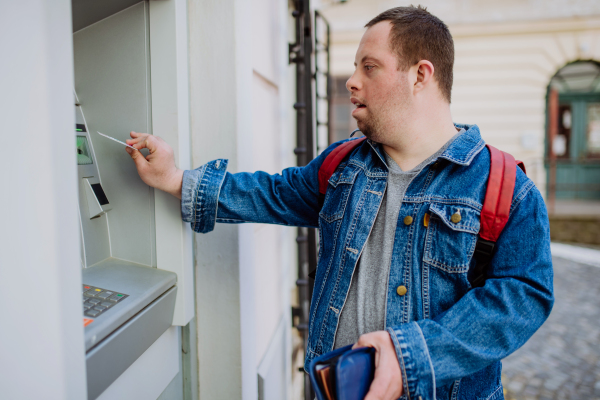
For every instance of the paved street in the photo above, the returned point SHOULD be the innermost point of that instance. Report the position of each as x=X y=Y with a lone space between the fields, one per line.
x=562 y=360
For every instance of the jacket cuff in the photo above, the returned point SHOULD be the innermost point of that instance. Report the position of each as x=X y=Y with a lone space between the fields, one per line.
x=418 y=377
x=200 y=195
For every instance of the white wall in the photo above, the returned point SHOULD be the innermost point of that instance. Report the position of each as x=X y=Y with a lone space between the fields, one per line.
x=41 y=340
x=241 y=104
x=273 y=144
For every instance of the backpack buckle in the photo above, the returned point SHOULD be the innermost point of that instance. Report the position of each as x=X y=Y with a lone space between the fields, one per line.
x=484 y=250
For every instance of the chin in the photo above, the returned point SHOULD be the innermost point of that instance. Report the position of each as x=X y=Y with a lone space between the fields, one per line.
x=365 y=129
x=362 y=126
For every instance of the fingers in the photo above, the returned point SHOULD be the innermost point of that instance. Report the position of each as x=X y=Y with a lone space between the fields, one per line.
x=151 y=143
x=136 y=135
x=381 y=385
x=158 y=168
x=138 y=158
x=370 y=339
x=387 y=382
x=136 y=138
x=144 y=142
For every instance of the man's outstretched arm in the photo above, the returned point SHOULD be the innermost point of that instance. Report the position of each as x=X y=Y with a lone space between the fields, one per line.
x=210 y=194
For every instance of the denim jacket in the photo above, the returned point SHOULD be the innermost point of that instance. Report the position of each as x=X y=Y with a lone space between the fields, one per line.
x=449 y=337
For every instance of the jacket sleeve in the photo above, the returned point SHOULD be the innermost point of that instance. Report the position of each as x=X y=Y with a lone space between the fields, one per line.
x=489 y=322
x=210 y=194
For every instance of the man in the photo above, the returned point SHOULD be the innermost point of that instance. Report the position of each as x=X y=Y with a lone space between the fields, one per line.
x=398 y=226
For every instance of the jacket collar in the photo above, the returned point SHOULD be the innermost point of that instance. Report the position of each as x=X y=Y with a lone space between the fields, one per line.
x=465 y=147
x=461 y=151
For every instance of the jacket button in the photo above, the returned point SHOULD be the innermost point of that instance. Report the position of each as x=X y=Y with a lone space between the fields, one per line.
x=455 y=217
x=401 y=290
x=408 y=220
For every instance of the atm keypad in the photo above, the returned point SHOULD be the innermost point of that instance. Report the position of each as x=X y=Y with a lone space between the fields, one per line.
x=97 y=300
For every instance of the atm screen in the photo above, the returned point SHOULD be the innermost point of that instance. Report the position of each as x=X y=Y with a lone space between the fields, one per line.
x=83 y=151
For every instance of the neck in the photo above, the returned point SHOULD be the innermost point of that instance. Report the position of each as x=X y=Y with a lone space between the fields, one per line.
x=415 y=140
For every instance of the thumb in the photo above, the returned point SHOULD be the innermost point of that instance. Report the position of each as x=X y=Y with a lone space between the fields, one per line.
x=138 y=158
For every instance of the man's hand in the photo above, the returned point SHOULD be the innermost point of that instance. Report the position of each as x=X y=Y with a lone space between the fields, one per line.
x=158 y=168
x=387 y=383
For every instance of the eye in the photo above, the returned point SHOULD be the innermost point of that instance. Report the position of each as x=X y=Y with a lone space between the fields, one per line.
x=369 y=67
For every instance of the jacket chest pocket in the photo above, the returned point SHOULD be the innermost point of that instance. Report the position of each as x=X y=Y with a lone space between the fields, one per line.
x=451 y=237
x=338 y=191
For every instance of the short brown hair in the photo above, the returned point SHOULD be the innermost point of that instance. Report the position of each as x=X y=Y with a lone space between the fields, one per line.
x=418 y=35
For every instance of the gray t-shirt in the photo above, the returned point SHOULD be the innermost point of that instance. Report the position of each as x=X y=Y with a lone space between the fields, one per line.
x=364 y=310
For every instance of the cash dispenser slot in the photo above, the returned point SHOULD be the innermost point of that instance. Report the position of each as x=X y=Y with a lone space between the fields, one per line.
x=96 y=198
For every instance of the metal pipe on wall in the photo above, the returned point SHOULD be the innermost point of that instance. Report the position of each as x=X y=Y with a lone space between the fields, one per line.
x=301 y=55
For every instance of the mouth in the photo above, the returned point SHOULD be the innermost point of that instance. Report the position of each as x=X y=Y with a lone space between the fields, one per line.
x=359 y=106
x=357 y=103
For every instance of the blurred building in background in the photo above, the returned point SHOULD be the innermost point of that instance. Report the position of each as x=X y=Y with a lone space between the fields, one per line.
x=510 y=55
x=507 y=53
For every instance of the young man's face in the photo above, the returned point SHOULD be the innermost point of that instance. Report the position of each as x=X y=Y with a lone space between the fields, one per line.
x=379 y=90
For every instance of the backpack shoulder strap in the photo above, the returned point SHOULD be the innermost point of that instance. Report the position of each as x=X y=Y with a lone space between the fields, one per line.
x=330 y=164
x=332 y=161
x=496 y=208
x=499 y=193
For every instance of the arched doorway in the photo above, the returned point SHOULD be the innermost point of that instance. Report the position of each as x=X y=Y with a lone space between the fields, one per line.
x=573 y=134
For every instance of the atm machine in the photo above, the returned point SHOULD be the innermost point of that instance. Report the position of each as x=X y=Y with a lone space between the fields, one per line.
x=136 y=253
x=126 y=305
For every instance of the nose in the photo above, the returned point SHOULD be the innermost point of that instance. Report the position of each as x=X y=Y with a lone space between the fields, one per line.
x=353 y=84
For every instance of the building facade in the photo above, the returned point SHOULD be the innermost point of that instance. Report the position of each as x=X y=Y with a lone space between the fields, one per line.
x=506 y=54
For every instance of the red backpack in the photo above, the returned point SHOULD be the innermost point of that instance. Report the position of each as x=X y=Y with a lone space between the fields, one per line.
x=496 y=206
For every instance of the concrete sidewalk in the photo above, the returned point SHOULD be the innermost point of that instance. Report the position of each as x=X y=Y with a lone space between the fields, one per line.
x=562 y=359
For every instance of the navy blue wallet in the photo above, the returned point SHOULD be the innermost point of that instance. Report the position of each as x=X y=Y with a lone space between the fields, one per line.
x=343 y=374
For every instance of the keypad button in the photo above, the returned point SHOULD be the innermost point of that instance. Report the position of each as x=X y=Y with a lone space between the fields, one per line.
x=116 y=297
x=97 y=300
x=92 y=313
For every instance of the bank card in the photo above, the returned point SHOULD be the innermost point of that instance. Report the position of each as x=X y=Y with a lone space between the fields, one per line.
x=116 y=140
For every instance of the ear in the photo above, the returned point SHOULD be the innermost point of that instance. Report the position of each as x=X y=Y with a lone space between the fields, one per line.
x=424 y=74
